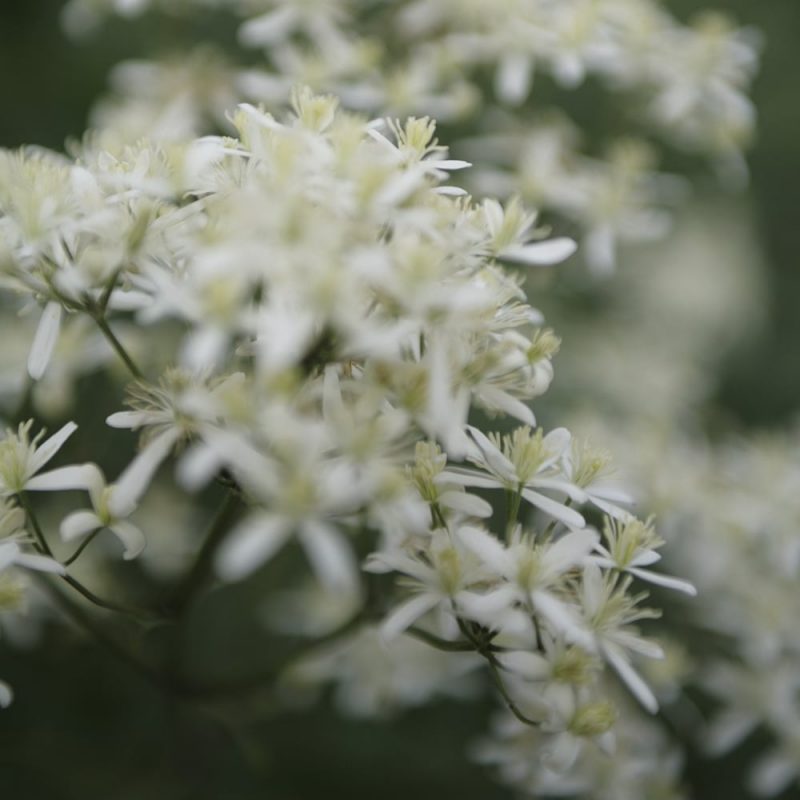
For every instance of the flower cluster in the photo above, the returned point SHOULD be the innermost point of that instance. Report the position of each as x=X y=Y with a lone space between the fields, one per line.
x=474 y=63
x=329 y=309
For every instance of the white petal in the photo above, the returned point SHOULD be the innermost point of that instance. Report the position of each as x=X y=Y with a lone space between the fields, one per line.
x=78 y=524
x=728 y=730
x=268 y=28
x=51 y=446
x=406 y=614
x=530 y=666
x=630 y=677
x=570 y=550
x=491 y=455
x=81 y=476
x=560 y=753
x=39 y=563
x=469 y=504
x=6 y=695
x=667 y=581
x=512 y=80
x=252 y=543
x=197 y=466
x=560 y=485
x=772 y=774
x=8 y=554
x=558 y=511
x=562 y=619
x=331 y=556
x=498 y=400
x=135 y=479
x=45 y=340
x=468 y=477
x=551 y=251
x=489 y=549
x=129 y=419
x=131 y=537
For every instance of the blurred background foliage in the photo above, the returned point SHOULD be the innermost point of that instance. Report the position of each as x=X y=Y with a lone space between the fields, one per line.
x=86 y=727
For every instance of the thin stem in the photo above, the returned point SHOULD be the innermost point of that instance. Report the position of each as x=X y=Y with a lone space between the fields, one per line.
x=514 y=499
x=83 y=545
x=201 y=569
x=41 y=542
x=43 y=547
x=501 y=687
x=439 y=643
x=117 y=345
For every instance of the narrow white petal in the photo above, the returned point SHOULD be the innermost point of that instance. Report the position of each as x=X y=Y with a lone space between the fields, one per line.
x=135 y=479
x=667 y=581
x=468 y=477
x=512 y=80
x=78 y=524
x=558 y=511
x=39 y=563
x=406 y=614
x=51 y=446
x=80 y=476
x=252 y=543
x=498 y=400
x=560 y=485
x=491 y=455
x=45 y=340
x=129 y=419
x=8 y=554
x=451 y=163
x=6 y=695
x=131 y=537
x=467 y=503
x=197 y=466
x=331 y=556
x=530 y=666
x=551 y=251
x=630 y=677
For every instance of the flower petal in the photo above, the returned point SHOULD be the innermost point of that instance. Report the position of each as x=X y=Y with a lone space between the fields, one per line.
x=78 y=524
x=44 y=341
x=51 y=446
x=131 y=537
x=252 y=543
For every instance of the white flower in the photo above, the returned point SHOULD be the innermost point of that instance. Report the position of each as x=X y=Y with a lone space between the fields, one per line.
x=632 y=547
x=22 y=457
x=522 y=462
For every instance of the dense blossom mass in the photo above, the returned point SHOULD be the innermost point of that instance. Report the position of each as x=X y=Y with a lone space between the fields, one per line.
x=340 y=307
x=304 y=305
x=477 y=65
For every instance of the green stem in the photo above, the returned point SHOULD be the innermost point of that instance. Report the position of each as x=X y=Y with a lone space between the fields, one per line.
x=83 y=545
x=43 y=547
x=117 y=345
x=41 y=542
x=439 y=643
x=514 y=500
x=501 y=687
x=201 y=569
